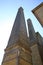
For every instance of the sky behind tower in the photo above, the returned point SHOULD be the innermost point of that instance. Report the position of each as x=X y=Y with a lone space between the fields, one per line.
x=8 y=11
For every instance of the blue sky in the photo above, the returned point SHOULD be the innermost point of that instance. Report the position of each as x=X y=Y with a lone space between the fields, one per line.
x=8 y=11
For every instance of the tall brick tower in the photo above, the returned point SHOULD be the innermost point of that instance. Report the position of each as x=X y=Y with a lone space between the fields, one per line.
x=17 y=51
x=36 y=45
